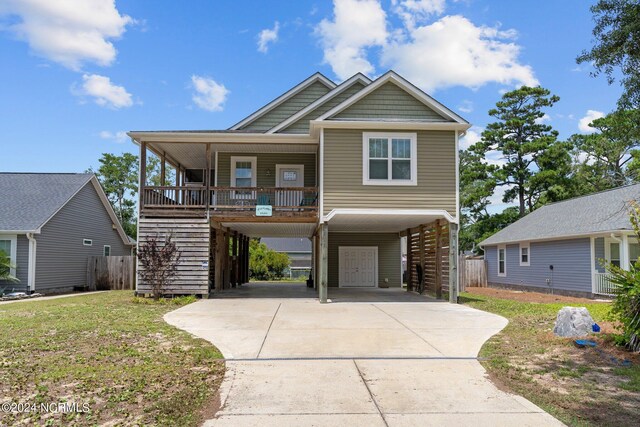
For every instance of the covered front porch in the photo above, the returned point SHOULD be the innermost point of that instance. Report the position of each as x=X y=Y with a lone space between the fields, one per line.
x=620 y=249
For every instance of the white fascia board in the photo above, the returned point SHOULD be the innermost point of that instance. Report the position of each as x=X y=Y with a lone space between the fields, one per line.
x=391 y=76
x=285 y=96
x=560 y=237
x=220 y=137
x=386 y=125
x=390 y=212
x=36 y=231
x=332 y=94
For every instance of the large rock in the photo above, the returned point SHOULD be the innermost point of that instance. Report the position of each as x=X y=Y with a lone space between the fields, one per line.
x=573 y=322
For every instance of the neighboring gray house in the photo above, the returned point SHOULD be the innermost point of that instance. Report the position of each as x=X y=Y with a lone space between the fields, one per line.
x=50 y=223
x=560 y=246
x=299 y=251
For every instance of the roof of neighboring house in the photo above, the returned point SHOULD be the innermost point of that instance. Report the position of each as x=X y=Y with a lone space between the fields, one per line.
x=29 y=200
x=286 y=244
x=602 y=212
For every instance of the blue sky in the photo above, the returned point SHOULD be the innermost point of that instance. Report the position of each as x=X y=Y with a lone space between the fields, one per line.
x=78 y=73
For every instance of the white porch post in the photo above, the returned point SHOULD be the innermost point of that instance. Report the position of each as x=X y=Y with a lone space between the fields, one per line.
x=453 y=263
x=624 y=253
x=593 y=264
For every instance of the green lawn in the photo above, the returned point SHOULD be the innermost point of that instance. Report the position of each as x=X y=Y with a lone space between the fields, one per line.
x=581 y=387
x=108 y=350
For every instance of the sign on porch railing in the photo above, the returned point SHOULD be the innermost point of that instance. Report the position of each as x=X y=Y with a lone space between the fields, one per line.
x=264 y=210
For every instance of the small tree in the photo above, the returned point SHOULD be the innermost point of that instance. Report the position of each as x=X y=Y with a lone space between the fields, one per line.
x=5 y=268
x=626 y=306
x=159 y=261
x=265 y=263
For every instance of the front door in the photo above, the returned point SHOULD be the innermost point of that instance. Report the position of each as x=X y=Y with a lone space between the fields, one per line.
x=289 y=177
x=358 y=266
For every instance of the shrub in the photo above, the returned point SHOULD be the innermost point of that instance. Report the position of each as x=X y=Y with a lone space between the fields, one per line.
x=158 y=262
x=265 y=263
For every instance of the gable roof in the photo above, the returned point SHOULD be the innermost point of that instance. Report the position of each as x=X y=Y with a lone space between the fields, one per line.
x=392 y=76
x=603 y=212
x=29 y=200
x=286 y=244
x=309 y=109
x=315 y=78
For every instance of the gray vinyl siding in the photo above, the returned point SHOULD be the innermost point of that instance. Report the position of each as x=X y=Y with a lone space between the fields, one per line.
x=302 y=125
x=268 y=161
x=343 y=187
x=22 y=266
x=61 y=258
x=288 y=108
x=389 y=101
x=571 y=260
x=389 y=257
x=598 y=246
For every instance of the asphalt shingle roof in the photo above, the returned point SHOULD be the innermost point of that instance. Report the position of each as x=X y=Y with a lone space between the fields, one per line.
x=596 y=213
x=27 y=200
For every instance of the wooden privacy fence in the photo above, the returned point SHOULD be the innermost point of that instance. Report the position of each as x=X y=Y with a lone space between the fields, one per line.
x=111 y=272
x=472 y=272
x=428 y=252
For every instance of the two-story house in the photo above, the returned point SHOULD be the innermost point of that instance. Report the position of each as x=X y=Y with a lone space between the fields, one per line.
x=353 y=166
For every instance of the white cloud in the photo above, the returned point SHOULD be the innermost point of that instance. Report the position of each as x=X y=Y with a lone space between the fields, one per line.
x=454 y=52
x=544 y=118
x=591 y=115
x=105 y=93
x=451 y=51
x=69 y=32
x=466 y=106
x=267 y=36
x=356 y=26
x=209 y=95
x=118 y=137
x=473 y=135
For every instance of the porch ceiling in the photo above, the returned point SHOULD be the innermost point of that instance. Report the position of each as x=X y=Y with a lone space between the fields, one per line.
x=381 y=221
x=252 y=229
x=192 y=155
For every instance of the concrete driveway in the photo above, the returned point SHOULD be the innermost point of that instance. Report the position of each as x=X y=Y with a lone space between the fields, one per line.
x=394 y=360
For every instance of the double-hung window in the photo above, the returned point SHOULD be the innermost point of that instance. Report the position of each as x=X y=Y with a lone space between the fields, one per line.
x=502 y=261
x=389 y=158
x=243 y=174
x=8 y=245
x=525 y=254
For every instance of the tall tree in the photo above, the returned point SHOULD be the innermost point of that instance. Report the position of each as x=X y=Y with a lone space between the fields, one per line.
x=521 y=138
x=119 y=178
x=617 y=46
x=609 y=157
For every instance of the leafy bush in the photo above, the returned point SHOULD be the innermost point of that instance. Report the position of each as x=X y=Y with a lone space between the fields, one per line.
x=265 y=263
x=626 y=306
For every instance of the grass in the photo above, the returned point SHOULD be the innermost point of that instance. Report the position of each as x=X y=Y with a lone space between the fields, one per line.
x=581 y=387
x=110 y=351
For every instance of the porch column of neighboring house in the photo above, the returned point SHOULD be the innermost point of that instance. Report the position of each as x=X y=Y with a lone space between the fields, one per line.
x=207 y=177
x=624 y=253
x=453 y=263
x=143 y=174
x=323 y=262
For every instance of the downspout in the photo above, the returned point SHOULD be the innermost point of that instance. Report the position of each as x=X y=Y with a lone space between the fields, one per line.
x=31 y=279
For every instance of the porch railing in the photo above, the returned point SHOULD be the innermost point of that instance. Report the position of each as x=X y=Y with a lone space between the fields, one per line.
x=228 y=200
x=603 y=284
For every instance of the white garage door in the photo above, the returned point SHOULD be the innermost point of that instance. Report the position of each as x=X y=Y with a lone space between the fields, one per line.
x=358 y=266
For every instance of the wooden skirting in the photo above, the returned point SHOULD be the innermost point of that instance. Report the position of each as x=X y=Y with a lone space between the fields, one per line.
x=192 y=237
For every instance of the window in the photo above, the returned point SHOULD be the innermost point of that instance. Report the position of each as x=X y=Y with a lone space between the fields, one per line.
x=525 y=254
x=106 y=250
x=389 y=159
x=502 y=261
x=87 y=242
x=243 y=174
x=615 y=253
x=8 y=244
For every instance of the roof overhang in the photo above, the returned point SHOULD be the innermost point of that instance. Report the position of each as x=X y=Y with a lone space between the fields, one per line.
x=604 y=233
x=220 y=137
x=37 y=231
x=382 y=220
x=316 y=125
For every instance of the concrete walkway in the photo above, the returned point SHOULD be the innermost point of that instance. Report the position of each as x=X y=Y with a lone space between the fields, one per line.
x=397 y=360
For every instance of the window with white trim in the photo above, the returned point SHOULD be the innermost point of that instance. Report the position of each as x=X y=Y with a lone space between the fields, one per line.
x=9 y=245
x=525 y=254
x=389 y=158
x=106 y=250
x=87 y=242
x=243 y=174
x=502 y=261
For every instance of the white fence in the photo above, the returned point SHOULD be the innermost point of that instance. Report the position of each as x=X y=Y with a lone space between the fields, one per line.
x=603 y=285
